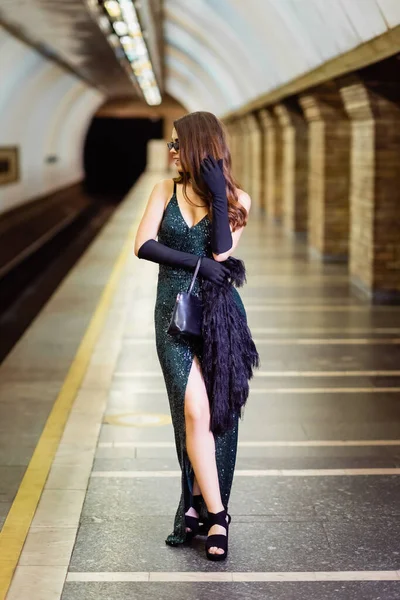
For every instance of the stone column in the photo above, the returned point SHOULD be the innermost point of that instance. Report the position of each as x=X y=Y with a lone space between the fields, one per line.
x=294 y=174
x=252 y=152
x=231 y=129
x=328 y=172
x=374 y=109
x=236 y=149
x=262 y=118
x=255 y=164
x=261 y=165
x=247 y=154
x=272 y=164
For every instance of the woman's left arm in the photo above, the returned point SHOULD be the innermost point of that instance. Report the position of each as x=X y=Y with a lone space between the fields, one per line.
x=223 y=240
x=245 y=201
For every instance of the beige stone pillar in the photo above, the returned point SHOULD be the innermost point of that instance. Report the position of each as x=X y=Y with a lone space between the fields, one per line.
x=294 y=172
x=272 y=164
x=261 y=115
x=256 y=161
x=247 y=154
x=235 y=148
x=328 y=172
x=375 y=187
x=231 y=140
x=242 y=141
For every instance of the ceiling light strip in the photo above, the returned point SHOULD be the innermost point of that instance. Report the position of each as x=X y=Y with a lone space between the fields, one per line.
x=119 y=21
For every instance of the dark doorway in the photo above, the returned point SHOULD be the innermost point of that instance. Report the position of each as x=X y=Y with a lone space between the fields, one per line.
x=115 y=152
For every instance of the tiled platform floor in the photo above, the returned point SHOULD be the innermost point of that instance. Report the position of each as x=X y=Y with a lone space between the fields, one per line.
x=317 y=487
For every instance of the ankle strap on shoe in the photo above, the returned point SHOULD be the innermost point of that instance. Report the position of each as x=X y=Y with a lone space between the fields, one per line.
x=218 y=518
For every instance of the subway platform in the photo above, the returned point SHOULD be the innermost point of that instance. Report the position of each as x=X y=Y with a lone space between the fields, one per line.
x=89 y=475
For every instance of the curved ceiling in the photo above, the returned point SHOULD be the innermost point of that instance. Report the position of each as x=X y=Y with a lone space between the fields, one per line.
x=240 y=50
x=65 y=31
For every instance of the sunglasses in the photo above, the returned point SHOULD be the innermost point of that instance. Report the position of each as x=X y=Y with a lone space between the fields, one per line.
x=174 y=145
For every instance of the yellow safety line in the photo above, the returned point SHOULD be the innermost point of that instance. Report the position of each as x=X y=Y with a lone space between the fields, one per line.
x=19 y=519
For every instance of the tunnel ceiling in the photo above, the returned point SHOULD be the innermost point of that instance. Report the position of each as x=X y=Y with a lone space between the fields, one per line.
x=218 y=54
x=221 y=54
x=66 y=31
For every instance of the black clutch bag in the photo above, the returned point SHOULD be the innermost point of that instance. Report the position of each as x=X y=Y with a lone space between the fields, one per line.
x=187 y=315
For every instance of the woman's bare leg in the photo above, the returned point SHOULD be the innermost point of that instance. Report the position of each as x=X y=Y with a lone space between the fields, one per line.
x=201 y=446
x=196 y=488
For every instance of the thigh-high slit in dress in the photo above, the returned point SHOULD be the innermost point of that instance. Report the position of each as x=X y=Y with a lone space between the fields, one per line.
x=176 y=356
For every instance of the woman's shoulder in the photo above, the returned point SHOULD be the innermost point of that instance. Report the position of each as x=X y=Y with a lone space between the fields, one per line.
x=244 y=198
x=166 y=184
x=166 y=188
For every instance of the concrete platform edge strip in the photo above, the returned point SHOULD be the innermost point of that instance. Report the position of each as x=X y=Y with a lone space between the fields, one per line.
x=238 y=576
x=261 y=444
x=257 y=374
x=256 y=473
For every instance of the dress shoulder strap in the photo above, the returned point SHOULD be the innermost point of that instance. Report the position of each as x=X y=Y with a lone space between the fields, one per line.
x=174 y=187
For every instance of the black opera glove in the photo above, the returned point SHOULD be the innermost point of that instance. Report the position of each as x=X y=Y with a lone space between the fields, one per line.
x=159 y=253
x=212 y=173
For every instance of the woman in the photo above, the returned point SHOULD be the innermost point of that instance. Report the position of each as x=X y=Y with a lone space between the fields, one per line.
x=200 y=213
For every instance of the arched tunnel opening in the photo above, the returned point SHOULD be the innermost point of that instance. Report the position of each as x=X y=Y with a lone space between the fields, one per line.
x=114 y=156
x=115 y=152
x=53 y=231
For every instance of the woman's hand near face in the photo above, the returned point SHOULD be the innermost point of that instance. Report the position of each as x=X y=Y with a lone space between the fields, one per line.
x=211 y=171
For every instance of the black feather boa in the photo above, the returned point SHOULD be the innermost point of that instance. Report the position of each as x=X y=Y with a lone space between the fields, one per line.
x=229 y=352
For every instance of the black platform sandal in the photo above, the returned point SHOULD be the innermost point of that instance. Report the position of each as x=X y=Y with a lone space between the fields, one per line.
x=218 y=540
x=193 y=523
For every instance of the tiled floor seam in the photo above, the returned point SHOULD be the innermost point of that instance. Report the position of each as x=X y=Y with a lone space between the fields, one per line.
x=261 y=374
x=260 y=444
x=257 y=473
x=199 y=576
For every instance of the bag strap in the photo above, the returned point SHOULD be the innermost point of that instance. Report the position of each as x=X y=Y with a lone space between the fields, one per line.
x=194 y=276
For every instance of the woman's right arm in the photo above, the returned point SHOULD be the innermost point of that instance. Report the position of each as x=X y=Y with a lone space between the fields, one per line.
x=152 y=216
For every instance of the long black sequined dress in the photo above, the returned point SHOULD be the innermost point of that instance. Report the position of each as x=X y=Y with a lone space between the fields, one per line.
x=176 y=355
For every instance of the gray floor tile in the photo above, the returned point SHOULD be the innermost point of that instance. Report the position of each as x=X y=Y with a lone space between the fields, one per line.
x=274 y=382
x=335 y=358
x=364 y=543
x=254 y=428
x=334 y=452
x=120 y=498
x=118 y=433
x=386 y=430
x=251 y=463
x=326 y=406
x=256 y=545
x=139 y=545
x=322 y=318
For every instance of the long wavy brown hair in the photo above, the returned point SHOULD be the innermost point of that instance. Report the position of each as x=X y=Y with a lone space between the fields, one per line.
x=201 y=133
